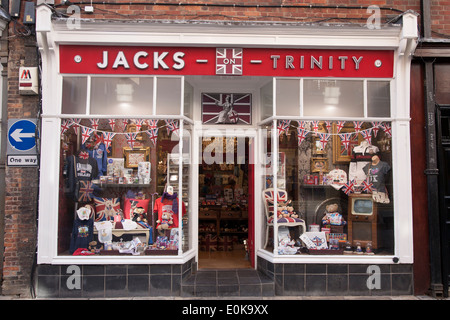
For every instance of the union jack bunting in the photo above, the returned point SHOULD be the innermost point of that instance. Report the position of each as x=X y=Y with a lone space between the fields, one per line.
x=153 y=135
x=349 y=187
x=324 y=137
x=112 y=123
x=139 y=123
x=367 y=187
x=387 y=129
x=301 y=134
x=302 y=124
x=125 y=123
x=367 y=135
x=86 y=192
x=315 y=126
x=340 y=125
x=152 y=124
x=376 y=127
x=94 y=123
x=357 y=125
x=131 y=138
x=172 y=126
x=75 y=124
x=229 y=61
x=328 y=125
x=107 y=138
x=85 y=134
x=345 y=139
x=65 y=125
x=281 y=127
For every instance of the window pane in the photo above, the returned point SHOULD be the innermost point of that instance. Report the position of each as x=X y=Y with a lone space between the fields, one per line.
x=288 y=97
x=378 y=99
x=122 y=96
x=119 y=182
x=188 y=99
x=343 y=198
x=267 y=100
x=168 y=96
x=333 y=98
x=74 y=95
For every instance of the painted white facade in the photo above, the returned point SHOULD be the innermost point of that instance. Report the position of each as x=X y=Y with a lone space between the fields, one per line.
x=53 y=33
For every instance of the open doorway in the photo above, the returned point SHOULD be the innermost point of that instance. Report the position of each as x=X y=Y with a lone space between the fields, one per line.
x=224 y=212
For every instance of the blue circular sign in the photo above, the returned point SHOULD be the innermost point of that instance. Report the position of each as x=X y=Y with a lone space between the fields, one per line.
x=21 y=135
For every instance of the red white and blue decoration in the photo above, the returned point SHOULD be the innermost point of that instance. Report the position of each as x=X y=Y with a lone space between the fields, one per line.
x=226 y=108
x=229 y=61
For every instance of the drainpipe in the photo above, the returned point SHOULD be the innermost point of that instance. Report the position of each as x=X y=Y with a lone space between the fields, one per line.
x=432 y=170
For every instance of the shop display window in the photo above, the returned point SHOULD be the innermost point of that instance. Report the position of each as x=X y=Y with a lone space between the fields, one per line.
x=333 y=186
x=331 y=190
x=121 y=188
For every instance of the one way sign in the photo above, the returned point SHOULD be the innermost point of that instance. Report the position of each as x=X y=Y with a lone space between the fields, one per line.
x=21 y=149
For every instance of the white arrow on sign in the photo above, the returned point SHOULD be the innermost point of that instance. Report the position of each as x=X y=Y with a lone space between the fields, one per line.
x=17 y=135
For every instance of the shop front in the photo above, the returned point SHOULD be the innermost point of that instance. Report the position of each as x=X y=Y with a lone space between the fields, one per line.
x=170 y=149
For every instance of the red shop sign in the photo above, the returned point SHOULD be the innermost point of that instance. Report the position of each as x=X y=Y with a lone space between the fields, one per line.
x=142 y=60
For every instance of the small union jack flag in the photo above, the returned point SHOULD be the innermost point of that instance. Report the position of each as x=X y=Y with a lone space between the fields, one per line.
x=387 y=129
x=75 y=124
x=65 y=125
x=345 y=139
x=139 y=123
x=153 y=135
x=229 y=61
x=94 y=123
x=315 y=126
x=86 y=192
x=112 y=123
x=324 y=137
x=357 y=125
x=85 y=134
x=131 y=138
x=302 y=124
x=340 y=125
x=280 y=128
x=125 y=123
x=349 y=187
x=367 y=135
x=152 y=124
x=328 y=125
x=376 y=127
x=301 y=134
x=107 y=138
x=367 y=187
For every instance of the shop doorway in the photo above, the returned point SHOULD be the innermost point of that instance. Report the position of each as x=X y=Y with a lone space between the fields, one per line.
x=225 y=223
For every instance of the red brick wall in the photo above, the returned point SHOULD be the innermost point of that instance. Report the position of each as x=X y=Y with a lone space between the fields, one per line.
x=21 y=187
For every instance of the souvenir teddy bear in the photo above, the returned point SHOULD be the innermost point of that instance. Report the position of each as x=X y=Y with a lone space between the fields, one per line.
x=286 y=210
x=166 y=221
x=139 y=215
x=332 y=217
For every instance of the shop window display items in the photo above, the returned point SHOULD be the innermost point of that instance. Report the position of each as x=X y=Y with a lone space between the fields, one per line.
x=115 y=201
x=337 y=177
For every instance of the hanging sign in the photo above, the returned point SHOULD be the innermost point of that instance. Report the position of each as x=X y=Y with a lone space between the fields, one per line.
x=132 y=60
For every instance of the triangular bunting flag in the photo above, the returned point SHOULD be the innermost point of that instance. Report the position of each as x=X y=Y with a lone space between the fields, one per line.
x=107 y=138
x=112 y=123
x=85 y=134
x=94 y=124
x=131 y=138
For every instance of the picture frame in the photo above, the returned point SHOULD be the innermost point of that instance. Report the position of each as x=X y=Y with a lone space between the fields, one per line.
x=135 y=155
x=317 y=148
x=340 y=154
x=319 y=165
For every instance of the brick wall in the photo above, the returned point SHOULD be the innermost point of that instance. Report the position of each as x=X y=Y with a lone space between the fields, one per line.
x=270 y=10
x=21 y=187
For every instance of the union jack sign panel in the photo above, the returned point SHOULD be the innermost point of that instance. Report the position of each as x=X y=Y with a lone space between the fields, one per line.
x=227 y=108
x=229 y=61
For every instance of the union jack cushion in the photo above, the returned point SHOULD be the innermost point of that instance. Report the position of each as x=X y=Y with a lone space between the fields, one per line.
x=106 y=208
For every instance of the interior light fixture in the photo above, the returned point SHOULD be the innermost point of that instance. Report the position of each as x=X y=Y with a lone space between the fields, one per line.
x=124 y=92
x=331 y=95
